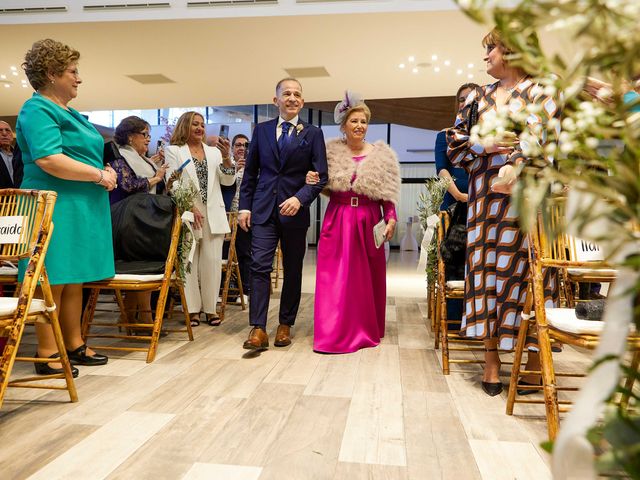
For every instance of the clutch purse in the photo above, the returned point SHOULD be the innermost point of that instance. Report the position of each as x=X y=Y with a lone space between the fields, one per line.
x=472 y=119
x=378 y=233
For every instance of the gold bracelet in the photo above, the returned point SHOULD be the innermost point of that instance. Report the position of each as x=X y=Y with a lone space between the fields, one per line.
x=101 y=177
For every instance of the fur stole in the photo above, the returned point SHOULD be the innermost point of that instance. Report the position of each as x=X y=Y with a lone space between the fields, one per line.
x=377 y=175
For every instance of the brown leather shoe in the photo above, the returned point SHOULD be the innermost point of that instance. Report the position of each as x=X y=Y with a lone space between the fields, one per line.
x=283 y=336
x=258 y=340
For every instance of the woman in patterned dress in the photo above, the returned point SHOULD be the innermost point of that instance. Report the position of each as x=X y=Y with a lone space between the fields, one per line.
x=497 y=266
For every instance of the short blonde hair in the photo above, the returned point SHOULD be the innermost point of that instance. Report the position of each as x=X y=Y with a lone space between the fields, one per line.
x=183 y=128
x=360 y=107
x=47 y=57
x=495 y=38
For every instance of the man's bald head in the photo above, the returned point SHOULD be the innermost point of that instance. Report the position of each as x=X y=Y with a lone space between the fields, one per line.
x=6 y=136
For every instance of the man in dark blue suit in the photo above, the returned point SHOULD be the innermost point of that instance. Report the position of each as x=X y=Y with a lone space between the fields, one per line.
x=274 y=203
x=10 y=159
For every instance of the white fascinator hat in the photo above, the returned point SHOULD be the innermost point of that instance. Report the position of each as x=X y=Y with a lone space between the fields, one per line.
x=350 y=100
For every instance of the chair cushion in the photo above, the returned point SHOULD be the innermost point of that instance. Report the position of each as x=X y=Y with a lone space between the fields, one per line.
x=123 y=277
x=8 y=305
x=565 y=319
x=459 y=284
x=139 y=267
x=592 y=272
x=8 y=271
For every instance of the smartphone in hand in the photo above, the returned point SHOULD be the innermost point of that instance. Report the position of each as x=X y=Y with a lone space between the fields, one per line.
x=224 y=131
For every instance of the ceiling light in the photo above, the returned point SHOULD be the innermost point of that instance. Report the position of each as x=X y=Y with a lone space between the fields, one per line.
x=6 y=85
x=414 y=70
x=459 y=71
x=24 y=81
x=434 y=57
x=436 y=69
x=412 y=58
x=3 y=77
x=470 y=76
x=470 y=65
x=401 y=65
x=24 y=85
x=15 y=74
x=13 y=68
x=447 y=62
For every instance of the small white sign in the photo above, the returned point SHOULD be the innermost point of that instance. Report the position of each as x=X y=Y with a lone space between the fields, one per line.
x=588 y=251
x=11 y=229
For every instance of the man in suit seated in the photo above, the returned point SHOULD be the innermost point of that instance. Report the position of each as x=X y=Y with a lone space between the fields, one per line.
x=274 y=203
x=11 y=164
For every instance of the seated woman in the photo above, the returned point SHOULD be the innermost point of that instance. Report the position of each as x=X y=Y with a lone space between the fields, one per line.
x=136 y=173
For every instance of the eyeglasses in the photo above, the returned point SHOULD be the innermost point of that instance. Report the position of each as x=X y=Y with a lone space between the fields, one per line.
x=144 y=134
x=241 y=145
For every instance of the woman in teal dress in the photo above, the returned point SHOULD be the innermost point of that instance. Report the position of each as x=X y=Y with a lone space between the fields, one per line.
x=62 y=152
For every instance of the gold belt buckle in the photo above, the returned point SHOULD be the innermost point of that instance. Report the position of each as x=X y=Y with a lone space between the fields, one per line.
x=354 y=201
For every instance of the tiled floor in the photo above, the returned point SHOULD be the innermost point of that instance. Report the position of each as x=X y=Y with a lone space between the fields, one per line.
x=206 y=410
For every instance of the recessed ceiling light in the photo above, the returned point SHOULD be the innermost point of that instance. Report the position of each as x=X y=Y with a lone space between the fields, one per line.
x=6 y=85
x=412 y=58
x=24 y=85
x=414 y=70
x=470 y=65
x=447 y=62
x=23 y=81
x=470 y=76
x=3 y=77
x=13 y=68
x=436 y=69
x=15 y=74
x=401 y=65
x=459 y=71
x=434 y=57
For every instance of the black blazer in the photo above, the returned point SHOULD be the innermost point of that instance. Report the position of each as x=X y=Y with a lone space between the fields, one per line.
x=5 y=178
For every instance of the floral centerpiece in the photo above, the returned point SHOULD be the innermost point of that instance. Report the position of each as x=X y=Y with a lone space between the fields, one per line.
x=183 y=195
x=428 y=207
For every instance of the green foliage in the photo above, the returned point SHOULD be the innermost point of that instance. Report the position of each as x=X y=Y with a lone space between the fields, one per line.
x=183 y=196
x=429 y=204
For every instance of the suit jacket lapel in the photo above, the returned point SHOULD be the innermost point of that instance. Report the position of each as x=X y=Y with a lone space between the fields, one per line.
x=190 y=169
x=270 y=132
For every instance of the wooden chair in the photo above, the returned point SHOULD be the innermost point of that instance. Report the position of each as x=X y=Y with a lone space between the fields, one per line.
x=231 y=268
x=161 y=282
x=561 y=325
x=445 y=290
x=32 y=210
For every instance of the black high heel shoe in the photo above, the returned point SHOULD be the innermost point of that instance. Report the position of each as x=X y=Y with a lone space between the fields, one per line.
x=522 y=383
x=492 y=388
x=45 y=369
x=79 y=357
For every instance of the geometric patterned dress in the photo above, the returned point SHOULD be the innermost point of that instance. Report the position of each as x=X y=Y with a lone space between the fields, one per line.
x=497 y=267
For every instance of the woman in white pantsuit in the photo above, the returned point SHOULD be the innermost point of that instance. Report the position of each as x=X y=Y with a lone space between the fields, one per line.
x=207 y=169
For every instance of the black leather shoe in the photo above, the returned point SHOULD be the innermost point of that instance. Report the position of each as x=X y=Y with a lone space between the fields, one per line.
x=522 y=383
x=79 y=357
x=492 y=389
x=45 y=369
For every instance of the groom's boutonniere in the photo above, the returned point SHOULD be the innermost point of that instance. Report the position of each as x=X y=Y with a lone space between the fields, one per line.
x=299 y=128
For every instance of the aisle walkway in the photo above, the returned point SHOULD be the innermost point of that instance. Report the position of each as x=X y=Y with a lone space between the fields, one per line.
x=203 y=410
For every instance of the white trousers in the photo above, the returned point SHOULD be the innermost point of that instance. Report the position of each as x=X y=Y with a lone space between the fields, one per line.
x=202 y=284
